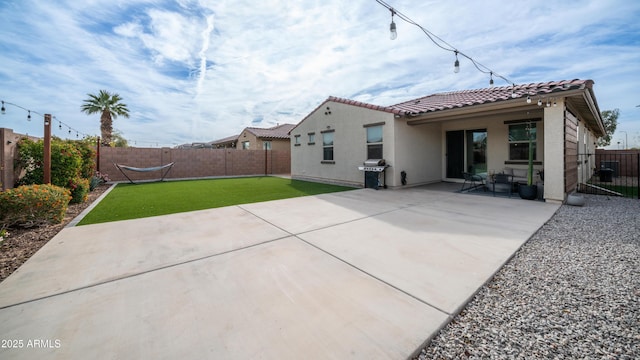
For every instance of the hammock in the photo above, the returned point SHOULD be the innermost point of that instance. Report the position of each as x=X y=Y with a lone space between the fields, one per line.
x=136 y=169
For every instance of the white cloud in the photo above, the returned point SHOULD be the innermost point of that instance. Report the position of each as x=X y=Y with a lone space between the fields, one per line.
x=200 y=70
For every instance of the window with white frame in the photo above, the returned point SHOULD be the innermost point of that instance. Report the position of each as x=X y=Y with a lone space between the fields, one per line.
x=245 y=145
x=327 y=146
x=312 y=138
x=519 y=135
x=374 y=142
x=296 y=140
x=266 y=145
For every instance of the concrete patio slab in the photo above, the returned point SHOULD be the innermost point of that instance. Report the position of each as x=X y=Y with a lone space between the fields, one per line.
x=359 y=274
x=309 y=213
x=87 y=255
x=281 y=300
x=440 y=252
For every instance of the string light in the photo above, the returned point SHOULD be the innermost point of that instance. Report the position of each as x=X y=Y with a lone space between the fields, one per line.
x=441 y=43
x=539 y=102
x=60 y=123
x=456 y=64
x=491 y=79
x=528 y=99
x=392 y=27
x=69 y=128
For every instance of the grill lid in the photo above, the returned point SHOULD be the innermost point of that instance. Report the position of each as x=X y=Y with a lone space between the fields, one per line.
x=374 y=162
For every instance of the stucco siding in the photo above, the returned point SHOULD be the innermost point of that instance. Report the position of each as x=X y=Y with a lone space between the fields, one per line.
x=418 y=153
x=349 y=148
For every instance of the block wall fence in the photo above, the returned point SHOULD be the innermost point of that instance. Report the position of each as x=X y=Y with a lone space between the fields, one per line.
x=193 y=163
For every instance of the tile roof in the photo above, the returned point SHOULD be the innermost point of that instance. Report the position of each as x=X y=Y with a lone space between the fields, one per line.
x=225 y=140
x=459 y=99
x=463 y=98
x=276 y=132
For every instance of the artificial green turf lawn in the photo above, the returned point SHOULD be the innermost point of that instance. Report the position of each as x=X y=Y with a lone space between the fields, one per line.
x=128 y=201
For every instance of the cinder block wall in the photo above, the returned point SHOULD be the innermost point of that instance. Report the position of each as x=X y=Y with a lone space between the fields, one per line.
x=194 y=163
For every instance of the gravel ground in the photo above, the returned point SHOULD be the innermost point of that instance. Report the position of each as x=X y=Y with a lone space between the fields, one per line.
x=572 y=291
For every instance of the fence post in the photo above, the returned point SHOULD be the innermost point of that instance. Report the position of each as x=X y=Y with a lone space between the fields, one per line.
x=98 y=155
x=47 y=149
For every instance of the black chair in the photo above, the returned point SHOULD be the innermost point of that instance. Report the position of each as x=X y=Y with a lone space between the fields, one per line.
x=473 y=180
x=502 y=183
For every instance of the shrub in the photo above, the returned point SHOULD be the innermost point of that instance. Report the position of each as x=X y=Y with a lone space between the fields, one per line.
x=33 y=205
x=98 y=179
x=66 y=162
x=79 y=190
x=88 y=155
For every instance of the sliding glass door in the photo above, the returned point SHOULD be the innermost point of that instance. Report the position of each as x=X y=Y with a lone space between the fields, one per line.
x=476 y=151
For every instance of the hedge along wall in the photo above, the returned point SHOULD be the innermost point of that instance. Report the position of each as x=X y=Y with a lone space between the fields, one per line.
x=194 y=163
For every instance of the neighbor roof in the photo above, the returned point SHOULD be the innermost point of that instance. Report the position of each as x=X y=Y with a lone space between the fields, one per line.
x=225 y=140
x=276 y=132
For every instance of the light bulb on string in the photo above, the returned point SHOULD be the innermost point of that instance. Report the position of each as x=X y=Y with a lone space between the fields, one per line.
x=491 y=79
x=528 y=99
x=392 y=27
x=59 y=125
x=28 y=115
x=539 y=102
x=456 y=64
x=3 y=108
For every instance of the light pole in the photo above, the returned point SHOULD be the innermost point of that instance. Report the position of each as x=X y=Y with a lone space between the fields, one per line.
x=625 y=139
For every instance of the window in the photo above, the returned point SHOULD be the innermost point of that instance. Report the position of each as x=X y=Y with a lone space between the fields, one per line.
x=327 y=146
x=266 y=145
x=245 y=145
x=519 y=141
x=312 y=138
x=374 y=142
x=296 y=140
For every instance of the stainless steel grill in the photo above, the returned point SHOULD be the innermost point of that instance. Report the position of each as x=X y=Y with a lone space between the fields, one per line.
x=372 y=169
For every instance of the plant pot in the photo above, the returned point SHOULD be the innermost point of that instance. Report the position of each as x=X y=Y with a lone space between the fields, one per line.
x=528 y=192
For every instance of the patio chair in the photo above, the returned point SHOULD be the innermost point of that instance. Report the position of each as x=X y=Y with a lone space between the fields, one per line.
x=473 y=180
x=502 y=183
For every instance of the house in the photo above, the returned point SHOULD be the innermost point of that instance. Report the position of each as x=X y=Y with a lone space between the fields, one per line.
x=225 y=143
x=273 y=138
x=253 y=138
x=439 y=137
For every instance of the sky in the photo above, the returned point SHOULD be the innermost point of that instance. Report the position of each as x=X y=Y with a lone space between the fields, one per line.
x=201 y=70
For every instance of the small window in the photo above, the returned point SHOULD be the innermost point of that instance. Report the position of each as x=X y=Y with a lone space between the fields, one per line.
x=245 y=145
x=266 y=145
x=327 y=146
x=519 y=141
x=374 y=142
x=312 y=138
x=296 y=140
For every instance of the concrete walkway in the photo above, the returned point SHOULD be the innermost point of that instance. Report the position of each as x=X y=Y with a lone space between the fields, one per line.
x=362 y=274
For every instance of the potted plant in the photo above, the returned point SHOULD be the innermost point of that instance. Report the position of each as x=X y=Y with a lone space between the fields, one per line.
x=529 y=191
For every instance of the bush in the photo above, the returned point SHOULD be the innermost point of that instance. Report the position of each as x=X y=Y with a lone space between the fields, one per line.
x=98 y=179
x=79 y=190
x=33 y=205
x=88 y=156
x=66 y=162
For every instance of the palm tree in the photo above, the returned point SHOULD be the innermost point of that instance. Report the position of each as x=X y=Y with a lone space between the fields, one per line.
x=110 y=107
